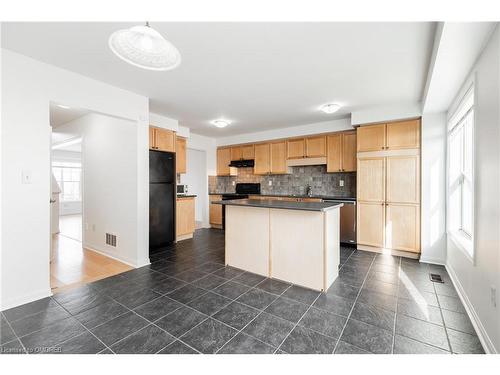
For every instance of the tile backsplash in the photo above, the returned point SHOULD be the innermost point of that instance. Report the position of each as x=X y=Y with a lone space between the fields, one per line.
x=322 y=183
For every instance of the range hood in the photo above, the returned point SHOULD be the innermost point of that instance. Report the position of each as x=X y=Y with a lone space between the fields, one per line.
x=242 y=163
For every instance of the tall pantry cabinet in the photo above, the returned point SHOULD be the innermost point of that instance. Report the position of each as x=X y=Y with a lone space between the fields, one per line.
x=388 y=184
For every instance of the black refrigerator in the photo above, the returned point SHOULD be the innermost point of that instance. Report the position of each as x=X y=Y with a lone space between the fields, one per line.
x=162 y=195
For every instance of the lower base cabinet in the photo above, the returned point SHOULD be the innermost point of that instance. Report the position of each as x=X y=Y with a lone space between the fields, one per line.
x=392 y=226
x=370 y=223
x=403 y=227
x=215 y=212
x=185 y=219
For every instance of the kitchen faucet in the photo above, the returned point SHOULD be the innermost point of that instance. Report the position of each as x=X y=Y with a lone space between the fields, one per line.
x=308 y=190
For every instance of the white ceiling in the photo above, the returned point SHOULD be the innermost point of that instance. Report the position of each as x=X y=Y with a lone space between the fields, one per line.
x=258 y=75
x=59 y=116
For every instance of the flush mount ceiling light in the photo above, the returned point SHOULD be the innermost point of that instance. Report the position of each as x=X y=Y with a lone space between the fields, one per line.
x=144 y=47
x=330 y=108
x=220 y=123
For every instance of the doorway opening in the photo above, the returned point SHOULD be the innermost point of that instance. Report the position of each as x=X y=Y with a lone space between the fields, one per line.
x=74 y=260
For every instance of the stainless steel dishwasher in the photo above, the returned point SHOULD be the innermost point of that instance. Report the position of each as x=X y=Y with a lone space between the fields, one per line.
x=347 y=220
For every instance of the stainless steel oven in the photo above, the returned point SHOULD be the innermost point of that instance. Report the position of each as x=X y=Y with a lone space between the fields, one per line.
x=347 y=220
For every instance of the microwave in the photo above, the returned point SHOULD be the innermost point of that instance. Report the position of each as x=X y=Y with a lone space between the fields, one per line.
x=182 y=189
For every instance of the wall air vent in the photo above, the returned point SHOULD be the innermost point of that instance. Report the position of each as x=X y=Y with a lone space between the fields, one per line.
x=111 y=239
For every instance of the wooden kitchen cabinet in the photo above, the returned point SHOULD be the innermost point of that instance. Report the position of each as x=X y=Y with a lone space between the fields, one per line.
x=262 y=159
x=223 y=160
x=403 y=135
x=180 y=155
x=371 y=179
x=371 y=224
x=371 y=138
x=403 y=179
x=236 y=153
x=185 y=218
x=161 y=139
x=247 y=152
x=402 y=230
x=278 y=158
x=151 y=138
x=341 y=152
x=315 y=146
x=295 y=148
x=349 y=158
x=215 y=211
x=334 y=153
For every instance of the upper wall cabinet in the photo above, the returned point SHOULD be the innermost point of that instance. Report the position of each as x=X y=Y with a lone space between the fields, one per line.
x=295 y=148
x=371 y=138
x=161 y=139
x=316 y=147
x=180 y=155
x=278 y=158
x=341 y=152
x=236 y=153
x=403 y=134
x=223 y=160
x=247 y=152
x=262 y=159
x=391 y=136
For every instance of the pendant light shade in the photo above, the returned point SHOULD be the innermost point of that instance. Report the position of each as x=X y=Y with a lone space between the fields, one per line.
x=145 y=48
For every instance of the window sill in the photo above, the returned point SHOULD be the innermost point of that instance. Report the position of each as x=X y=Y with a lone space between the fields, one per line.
x=465 y=244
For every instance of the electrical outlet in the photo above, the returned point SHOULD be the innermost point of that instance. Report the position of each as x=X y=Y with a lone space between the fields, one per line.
x=233 y=183
x=26 y=177
x=270 y=182
x=341 y=183
x=493 y=296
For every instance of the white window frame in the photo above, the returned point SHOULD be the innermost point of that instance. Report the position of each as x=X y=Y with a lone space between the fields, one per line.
x=61 y=186
x=462 y=239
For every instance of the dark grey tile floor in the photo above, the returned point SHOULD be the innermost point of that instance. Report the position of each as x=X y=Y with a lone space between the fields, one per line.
x=187 y=302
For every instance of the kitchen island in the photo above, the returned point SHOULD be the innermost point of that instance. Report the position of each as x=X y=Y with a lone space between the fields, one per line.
x=296 y=242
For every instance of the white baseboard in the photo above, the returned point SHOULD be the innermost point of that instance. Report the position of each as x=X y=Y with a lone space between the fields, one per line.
x=469 y=308
x=18 y=301
x=430 y=260
x=128 y=262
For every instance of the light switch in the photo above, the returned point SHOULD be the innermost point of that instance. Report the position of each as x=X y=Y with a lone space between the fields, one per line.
x=26 y=177
x=270 y=182
x=341 y=183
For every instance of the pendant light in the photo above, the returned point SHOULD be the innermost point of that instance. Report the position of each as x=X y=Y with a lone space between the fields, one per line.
x=144 y=47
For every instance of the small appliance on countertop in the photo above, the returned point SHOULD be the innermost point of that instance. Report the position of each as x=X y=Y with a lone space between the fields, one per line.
x=182 y=189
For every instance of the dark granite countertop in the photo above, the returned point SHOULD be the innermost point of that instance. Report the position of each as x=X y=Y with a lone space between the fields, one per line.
x=297 y=196
x=186 y=196
x=303 y=206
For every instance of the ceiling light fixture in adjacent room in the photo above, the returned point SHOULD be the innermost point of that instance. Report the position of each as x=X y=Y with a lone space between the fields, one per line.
x=330 y=108
x=144 y=47
x=220 y=123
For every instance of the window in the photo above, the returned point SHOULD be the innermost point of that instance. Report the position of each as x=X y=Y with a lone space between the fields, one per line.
x=461 y=174
x=68 y=176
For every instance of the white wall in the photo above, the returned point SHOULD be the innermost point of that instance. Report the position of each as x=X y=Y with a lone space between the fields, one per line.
x=209 y=147
x=197 y=181
x=318 y=127
x=382 y=113
x=474 y=280
x=27 y=83
x=109 y=153
x=433 y=185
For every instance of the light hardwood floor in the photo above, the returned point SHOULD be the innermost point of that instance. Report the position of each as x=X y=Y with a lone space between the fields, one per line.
x=71 y=264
